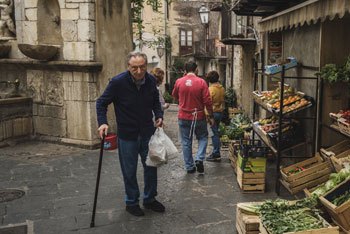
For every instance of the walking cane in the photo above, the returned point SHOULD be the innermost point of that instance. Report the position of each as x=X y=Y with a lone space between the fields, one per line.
x=92 y=224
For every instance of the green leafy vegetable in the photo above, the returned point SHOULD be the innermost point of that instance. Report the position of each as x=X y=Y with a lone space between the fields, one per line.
x=333 y=73
x=342 y=198
x=282 y=216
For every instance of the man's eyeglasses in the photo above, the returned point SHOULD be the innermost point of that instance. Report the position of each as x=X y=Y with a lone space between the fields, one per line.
x=135 y=68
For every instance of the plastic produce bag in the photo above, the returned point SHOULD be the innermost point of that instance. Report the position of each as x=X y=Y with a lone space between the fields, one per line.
x=168 y=144
x=160 y=147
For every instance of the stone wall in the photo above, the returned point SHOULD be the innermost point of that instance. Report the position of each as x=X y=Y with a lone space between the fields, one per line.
x=94 y=38
x=76 y=33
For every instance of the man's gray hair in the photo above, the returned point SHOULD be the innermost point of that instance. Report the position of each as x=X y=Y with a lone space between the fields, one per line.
x=136 y=54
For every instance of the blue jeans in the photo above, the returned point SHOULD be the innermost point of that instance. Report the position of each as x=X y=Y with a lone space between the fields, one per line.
x=128 y=158
x=201 y=133
x=216 y=138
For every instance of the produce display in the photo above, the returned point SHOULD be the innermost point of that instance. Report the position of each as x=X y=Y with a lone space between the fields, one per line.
x=345 y=115
x=334 y=180
x=286 y=101
x=295 y=170
x=337 y=204
x=291 y=135
x=342 y=115
x=342 y=121
x=345 y=160
x=273 y=96
x=281 y=216
x=271 y=123
x=267 y=129
x=235 y=130
x=296 y=105
x=292 y=100
x=342 y=198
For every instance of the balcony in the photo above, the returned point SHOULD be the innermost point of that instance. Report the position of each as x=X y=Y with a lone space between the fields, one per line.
x=212 y=48
x=237 y=30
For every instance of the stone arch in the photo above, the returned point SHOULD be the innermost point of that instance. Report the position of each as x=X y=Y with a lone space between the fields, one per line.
x=49 y=22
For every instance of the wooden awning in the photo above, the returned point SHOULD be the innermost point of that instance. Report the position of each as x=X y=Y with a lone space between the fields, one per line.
x=309 y=12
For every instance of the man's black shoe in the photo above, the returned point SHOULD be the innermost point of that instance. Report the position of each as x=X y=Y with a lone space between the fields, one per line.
x=213 y=158
x=155 y=206
x=199 y=166
x=193 y=170
x=135 y=210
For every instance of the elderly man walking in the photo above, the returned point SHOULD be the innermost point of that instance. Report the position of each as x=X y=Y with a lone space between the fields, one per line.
x=135 y=97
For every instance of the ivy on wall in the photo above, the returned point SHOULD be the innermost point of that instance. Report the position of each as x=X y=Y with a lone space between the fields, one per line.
x=136 y=10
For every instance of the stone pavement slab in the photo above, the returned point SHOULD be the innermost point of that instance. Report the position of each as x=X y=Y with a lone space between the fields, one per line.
x=59 y=184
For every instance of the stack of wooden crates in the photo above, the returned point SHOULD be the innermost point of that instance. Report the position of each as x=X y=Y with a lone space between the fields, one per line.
x=251 y=166
x=246 y=223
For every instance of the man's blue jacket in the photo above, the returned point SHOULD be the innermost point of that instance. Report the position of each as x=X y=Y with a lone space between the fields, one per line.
x=133 y=108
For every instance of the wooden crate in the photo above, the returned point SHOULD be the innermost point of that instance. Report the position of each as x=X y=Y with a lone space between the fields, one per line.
x=233 y=160
x=233 y=111
x=308 y=191
x=251 y=164
x=336 y=162
x=247 y=223
x=316 y=172
x=344 y=127
x=335 y=149
x=262 y=134
x=232 y=155
x=340 y=214
x=327 y=230
x=251 y=182
x=341 y=229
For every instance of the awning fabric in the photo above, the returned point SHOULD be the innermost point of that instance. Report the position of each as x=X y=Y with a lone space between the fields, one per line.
x=307 y=12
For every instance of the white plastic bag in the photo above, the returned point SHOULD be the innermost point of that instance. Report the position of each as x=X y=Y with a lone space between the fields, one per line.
x=160 y=147
x=168 y=143
x=156 y=148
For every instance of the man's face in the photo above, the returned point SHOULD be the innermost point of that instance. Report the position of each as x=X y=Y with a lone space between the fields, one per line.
x=137 y=67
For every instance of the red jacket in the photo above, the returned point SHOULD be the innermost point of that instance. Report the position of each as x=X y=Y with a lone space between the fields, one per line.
x=193 y=94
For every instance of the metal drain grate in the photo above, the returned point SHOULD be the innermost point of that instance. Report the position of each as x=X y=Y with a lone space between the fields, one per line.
x=10 y=194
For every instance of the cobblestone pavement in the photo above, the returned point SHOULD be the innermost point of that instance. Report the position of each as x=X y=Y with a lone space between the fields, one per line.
x=59 y=184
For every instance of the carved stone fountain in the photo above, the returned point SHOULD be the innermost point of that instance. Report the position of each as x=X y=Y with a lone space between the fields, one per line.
x=62 y=54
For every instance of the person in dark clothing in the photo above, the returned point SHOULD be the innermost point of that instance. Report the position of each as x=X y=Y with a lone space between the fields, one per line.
x=135 y=98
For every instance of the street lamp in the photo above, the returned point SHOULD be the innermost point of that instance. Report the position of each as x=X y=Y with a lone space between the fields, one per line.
x=160 y=51
x=204 y=16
